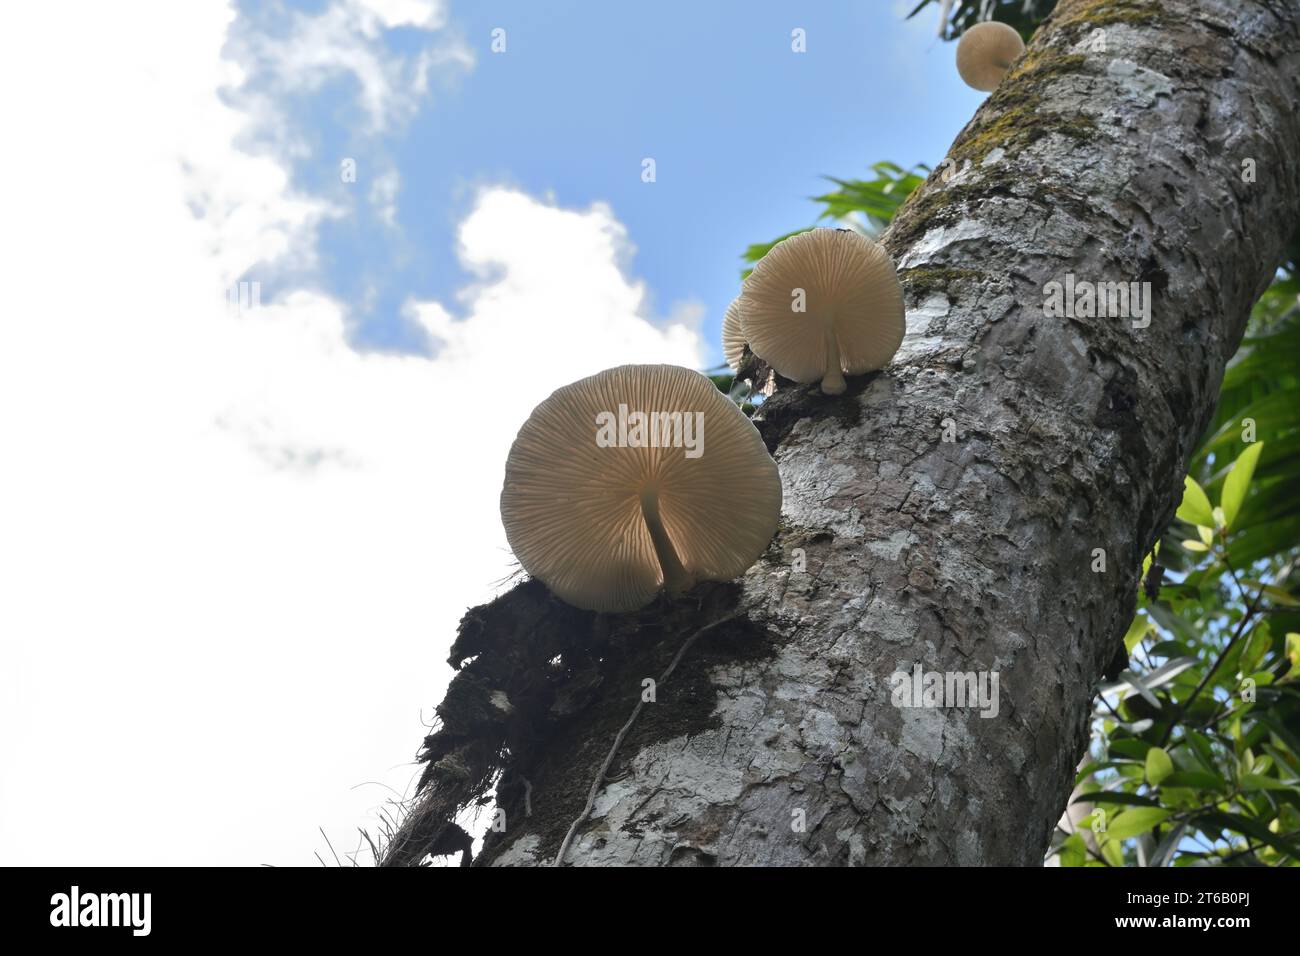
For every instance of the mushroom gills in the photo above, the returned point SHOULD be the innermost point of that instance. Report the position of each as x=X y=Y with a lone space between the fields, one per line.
x=654 y=518
x=676 y=578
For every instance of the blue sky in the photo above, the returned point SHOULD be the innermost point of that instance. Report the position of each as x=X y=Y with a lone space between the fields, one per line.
x=741 y=128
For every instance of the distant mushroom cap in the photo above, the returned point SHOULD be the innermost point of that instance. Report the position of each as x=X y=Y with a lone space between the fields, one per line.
x=985 y=54
x=733 y=339
x=604 y=526
x=852 y=319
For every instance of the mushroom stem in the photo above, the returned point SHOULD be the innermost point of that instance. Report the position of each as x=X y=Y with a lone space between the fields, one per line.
x=833 y=378
x=676 y=578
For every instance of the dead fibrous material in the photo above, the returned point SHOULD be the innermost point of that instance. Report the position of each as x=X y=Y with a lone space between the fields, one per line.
x=985 y=54
x=532 y=674
x=823 y=304
x=637 y=479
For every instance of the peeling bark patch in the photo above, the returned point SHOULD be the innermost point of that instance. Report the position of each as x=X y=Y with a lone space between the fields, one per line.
x=891 y=547
x=1143 y=85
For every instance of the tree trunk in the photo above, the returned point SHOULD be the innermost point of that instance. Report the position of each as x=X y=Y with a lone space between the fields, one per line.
x=952 y=512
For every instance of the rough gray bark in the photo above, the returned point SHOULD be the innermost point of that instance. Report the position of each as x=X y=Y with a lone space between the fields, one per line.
x=1122 y=164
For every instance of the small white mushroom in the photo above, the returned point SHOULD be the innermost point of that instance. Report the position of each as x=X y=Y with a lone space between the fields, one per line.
x=985 y=54
x=607 y=525
x=821 y=304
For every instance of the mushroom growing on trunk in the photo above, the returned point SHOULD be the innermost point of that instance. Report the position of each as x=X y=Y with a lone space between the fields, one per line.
x=823 y=303
x=985 y=54
x=612 y=491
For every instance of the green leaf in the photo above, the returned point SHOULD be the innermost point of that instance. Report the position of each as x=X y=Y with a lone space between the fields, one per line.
x=1115 y=797
x=1201 y=746
x=1113 y=853
x=1142 y=687
x=1243 y=825
x=1095 y=766
x=1073 y=851
x=1159 y=766
x=1139 y=820
x=1282 y=758
x=1139 y=629
x=1275 y=723
x=1127 y=747
x=1170 y=649
x=1195 y=508
x=1279 y=596
x=1237 y=483
x=1144 y=684
x=1195 y=780
x=1255 y=781
x=1256 y=648
x=1254 y=541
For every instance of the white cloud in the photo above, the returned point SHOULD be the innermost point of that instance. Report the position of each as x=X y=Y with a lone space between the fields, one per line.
x=234 y=548
x=345 y=39
x=424 y=14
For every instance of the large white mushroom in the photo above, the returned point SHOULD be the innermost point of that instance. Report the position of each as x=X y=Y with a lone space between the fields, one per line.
x=637 y=479
x=821 y=304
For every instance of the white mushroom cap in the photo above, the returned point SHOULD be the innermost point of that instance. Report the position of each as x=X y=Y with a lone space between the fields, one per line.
x=852 y=319
x=606 y=527
x=733 y=339
x=985 y=54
